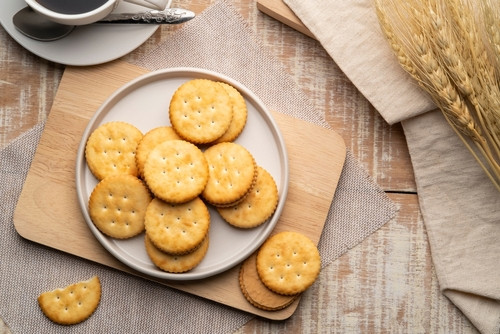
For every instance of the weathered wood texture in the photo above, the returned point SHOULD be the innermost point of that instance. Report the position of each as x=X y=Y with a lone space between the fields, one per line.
x=386 y=283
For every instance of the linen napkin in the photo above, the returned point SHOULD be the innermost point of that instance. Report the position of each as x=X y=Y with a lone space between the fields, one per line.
x=218 y=39
x=460 y=207
x=349 y=32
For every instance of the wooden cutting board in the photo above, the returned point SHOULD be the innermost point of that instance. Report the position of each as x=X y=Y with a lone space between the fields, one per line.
x=48 y=212
x=280 y=11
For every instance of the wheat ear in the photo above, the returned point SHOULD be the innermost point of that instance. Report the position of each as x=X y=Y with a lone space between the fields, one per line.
x=421 y=35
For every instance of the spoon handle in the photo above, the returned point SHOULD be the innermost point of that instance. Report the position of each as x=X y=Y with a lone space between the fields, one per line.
x=166 y=16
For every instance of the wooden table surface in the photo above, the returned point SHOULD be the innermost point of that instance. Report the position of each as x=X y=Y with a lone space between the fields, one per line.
x=385 y=284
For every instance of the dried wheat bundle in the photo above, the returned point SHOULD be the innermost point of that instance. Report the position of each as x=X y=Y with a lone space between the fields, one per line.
x=452 y=49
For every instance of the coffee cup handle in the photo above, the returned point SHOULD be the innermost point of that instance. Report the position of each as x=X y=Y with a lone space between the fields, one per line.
x=153 y=4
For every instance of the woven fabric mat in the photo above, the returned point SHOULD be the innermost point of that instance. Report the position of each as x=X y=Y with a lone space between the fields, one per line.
x=134 y=305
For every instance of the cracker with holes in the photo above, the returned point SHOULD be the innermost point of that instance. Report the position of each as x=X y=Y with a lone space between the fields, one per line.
x=288 y=263
x=176 y=171
x=150 y=140
x=111 y=148
x=72 y=304
x=177 y=228
x=175 y=263
x=256 y=292
x=117 y=206
x=257 y=206
x=239 y=114
x=200 y=111
x=232 y=173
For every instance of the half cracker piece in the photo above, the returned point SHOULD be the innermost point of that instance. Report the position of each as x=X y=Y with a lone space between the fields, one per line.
x=72 y=304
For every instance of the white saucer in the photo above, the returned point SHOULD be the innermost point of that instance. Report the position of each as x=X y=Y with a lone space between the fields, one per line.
x=86 y=45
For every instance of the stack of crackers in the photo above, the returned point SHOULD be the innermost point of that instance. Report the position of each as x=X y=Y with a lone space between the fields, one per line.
x=285 y=266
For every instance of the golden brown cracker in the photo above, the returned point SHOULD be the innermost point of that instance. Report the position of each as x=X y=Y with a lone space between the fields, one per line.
x=72 y=304
x=150 y=140
x=257 y=206
x=240 y=113
x=232 y=173
x=288 y=263
x=176 y=263
x=117 y=205
x=111 y=148
x=200 y=111
x=177 y=228
x=176 y=171
x=256 y=292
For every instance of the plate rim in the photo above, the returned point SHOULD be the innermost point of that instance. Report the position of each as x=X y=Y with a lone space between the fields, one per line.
x=157 y=75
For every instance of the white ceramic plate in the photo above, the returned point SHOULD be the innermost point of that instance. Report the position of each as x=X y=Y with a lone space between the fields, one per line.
x=86 y=45
x=144 y=103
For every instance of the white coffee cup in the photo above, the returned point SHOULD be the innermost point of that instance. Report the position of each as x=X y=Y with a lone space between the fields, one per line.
x=93 y=15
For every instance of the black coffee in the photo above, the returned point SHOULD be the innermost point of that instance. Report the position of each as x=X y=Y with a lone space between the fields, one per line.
x=71 y=6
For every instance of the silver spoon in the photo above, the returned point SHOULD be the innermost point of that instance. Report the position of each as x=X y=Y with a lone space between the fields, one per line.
x=36 y=26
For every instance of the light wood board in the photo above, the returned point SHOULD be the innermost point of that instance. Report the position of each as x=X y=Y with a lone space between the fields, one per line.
x=48 y=211
x=280 y=11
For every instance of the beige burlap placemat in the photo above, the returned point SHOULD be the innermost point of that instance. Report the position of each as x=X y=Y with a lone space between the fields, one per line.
x=219 y=39
x=460 y=207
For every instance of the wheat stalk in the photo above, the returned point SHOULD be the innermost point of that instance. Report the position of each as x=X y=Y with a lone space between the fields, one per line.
x=491 y=15
x=394 y=42
x=475 y=80
x=482 y=69
x=462 y=80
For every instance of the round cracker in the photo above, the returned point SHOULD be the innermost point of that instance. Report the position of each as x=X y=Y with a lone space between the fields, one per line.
x=117 y=205
x=256 y=292
x=200 y=111
x=288 y=263
x=177 y=228
x=232 y=173
x=176 y=171
x=111 y=148
x=150 y=140
x=175 y=263
x=257 y=206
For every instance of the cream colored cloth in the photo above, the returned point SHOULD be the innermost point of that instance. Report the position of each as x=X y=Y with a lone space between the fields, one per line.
x=349 y=32
x=460 y=207
x=461 y=210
